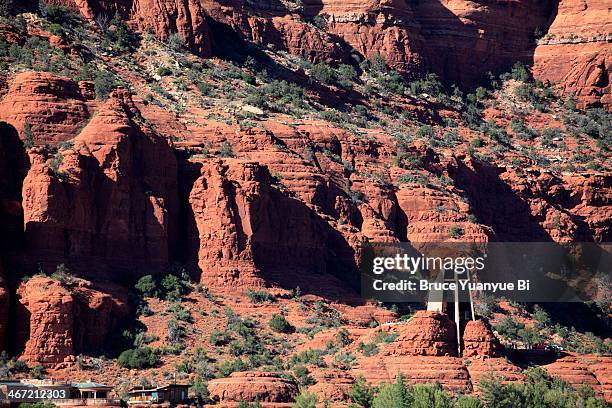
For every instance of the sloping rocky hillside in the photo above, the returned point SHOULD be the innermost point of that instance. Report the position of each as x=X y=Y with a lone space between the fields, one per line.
x=175 y=176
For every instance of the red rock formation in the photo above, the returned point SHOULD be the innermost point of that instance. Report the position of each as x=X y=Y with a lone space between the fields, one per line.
x=450 y=372
x=535 y=204
x=574 y=371
x=112 y=197
x=333 y=385
x=225 y=200
x=252 y=385
x=247 y=228
x=187 y=18
x=601 y=367
x=56 y=321
x=481 y=368
x=53 y=106
x=478 y=340
x=426 y=334
x=575 y=52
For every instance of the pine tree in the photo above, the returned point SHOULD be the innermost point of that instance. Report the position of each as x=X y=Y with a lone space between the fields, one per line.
x=362 y=393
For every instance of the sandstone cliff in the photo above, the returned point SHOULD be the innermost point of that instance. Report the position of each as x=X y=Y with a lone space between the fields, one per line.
x=57 y=320
x=110 y=196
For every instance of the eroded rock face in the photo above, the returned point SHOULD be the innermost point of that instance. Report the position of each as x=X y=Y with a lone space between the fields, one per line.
x=335 y=386
x=163 y=17
x=56 y=321
x=450 y=372
x=601 y=367
x=53 y=106
x=535 y=204
x=575 y=52
x=252 y=385
x=574 y=371
x=244 y=226
x=480 y=368
x=479 y=340
x=111 y=198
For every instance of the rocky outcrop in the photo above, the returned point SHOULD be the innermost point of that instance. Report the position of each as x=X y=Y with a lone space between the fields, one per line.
x=450 y=372
x=575 y=51
x=111 y=196
x=162 y=17
x=247 y=229
x=58 y=319
x=574 y=371
x=483 y=368
x=601 y=367
x=51 y=105
x=479 y=340
x=252 y=386
x=225 y=201
x=426 y=334
x=533 y=203
x=333 y=385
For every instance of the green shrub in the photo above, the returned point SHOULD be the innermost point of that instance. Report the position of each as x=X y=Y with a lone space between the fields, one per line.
x=219 y=338
x=346 y=76
x=394 y=395
x=260 y=296
x=176 y=332
x=227 y=367
x=38 y=371
x=226 y=150
x=429 y=85
x=175 y=42
x=121 y=36
x=509 y=328
x=205 y=88
x=164 y=71
x=323 y=73
x=345 y=361
x=456 y=231
x=425 y=131
x=520 y=72
x=525 y=92
x=343 y=337
x=430 y=395
x=104 y=83
x=310 y=356
x=305 y=399
x=302 y=374
x=368 y=349
x=20 y=366
x=147 y=286
x=62 y=274
x=279 y=324
x=143 y=357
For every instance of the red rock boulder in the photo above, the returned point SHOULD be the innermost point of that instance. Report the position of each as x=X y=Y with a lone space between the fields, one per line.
x=479 y=340
x=251 y=386
x=426 y=334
